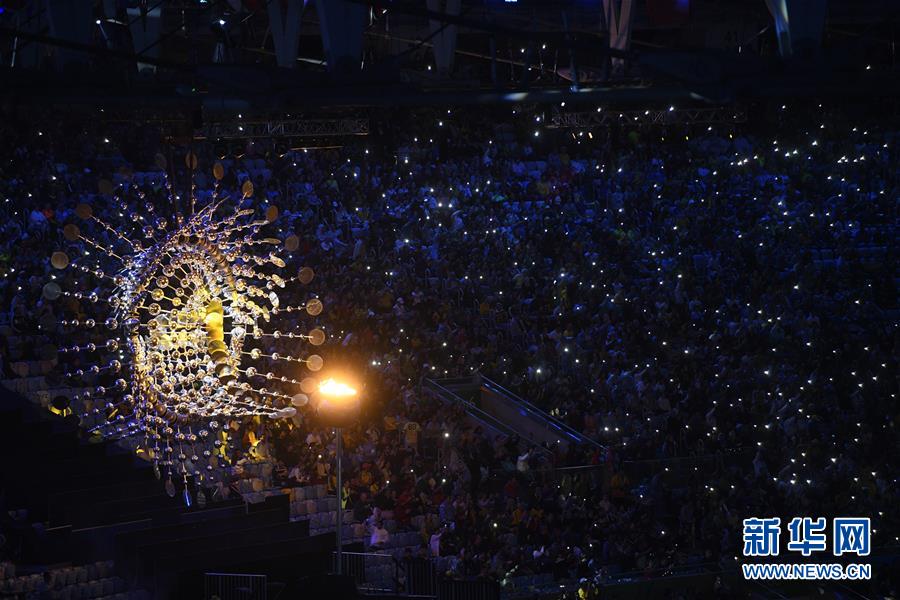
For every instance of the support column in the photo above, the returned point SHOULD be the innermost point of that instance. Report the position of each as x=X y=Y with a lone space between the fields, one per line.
x=444 y=35
x=285 y=28
x=30 y=19
x=339 y=526
x=70 y=21
x=341 y=23
x=145 y=30
x=619 y=15
x=798 y=25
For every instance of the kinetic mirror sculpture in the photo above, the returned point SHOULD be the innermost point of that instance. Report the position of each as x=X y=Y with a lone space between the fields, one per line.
x=191 y=332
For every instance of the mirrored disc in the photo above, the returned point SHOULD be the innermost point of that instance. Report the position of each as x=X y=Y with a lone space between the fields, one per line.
x=84 y=211
x=309 y=385
x=287 y=412
x=59 y=260
x=51 y=291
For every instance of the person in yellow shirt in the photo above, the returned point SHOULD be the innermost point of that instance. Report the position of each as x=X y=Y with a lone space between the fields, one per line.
x=518 y=515
x=411 y=435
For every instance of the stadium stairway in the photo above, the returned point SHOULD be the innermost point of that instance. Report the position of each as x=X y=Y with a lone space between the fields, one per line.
x=46 y=457
x=88 y=519
x=464 y=391
x=504 y=412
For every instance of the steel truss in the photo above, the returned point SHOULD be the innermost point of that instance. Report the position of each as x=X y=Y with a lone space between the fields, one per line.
x=292 y=128
x=666 y=116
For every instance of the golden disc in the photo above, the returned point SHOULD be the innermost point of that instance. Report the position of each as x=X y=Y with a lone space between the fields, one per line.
x=71 y=232
x=218 y=171
x=190 y=161
x=271 y=214
x=314 y=307
x=291 y=243
x=218 y=351
x=247 y=189
x=305 y=275
x=84 y=211
x=309 y=385
x=160 y=161
x=314 y=362
x=316 y=337
x=59 y=260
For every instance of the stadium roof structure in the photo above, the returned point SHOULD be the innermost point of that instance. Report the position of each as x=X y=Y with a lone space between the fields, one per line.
x=295 y=54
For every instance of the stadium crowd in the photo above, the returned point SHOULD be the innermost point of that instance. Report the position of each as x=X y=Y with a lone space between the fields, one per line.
x=716 y=305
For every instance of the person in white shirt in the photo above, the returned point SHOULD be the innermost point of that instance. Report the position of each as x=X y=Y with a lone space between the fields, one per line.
x=380 y=536
x=434 y=544
x=522 y=462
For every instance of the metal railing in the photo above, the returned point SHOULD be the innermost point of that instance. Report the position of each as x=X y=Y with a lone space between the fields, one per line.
x=371 y=572
x=379 y=573
x=476 y=413
x=412 y=577
x=234 y=586
x=468 y=589
x=551 y=422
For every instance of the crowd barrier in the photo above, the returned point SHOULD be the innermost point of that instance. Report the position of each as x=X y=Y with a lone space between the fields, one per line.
x=418 y=577
x=234 y=586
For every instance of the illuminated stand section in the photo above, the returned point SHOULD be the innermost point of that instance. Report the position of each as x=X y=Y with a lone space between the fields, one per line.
x=195 y=327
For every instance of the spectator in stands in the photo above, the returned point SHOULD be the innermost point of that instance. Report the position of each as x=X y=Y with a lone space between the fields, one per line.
x=715 y=306
x=380 y=536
